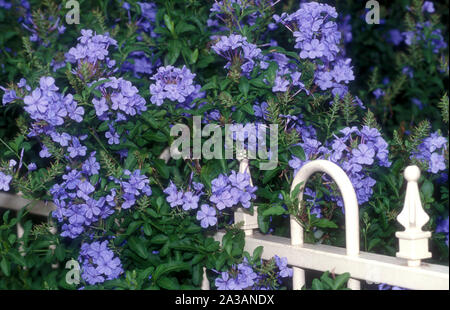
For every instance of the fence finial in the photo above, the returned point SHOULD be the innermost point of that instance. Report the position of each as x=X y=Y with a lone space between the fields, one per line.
x=413 y=241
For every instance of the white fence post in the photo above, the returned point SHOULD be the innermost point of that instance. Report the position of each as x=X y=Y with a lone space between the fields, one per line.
x=413 y=242
x=351 y=213
x=240 y=215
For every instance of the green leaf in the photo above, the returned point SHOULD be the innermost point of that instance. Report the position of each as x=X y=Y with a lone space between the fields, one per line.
x=340 y=280
x=155 y=136
x=274 y=210
x=317 y=285
x=323 y=223
x=298 y=152
x=5 y=266
x=60 y=253
x=248 y=108
x=184 y=27
x=169 y=283
x=159 y=239
x=169 y=24
x=137 y=246
x=174 y=52
x=162 y=168
x=272 y=72
x=427 y=189
x=244 y=85
x=270 y=174
x=263 y=223
x=147 y=229
x=168 y=268
x=257 y=253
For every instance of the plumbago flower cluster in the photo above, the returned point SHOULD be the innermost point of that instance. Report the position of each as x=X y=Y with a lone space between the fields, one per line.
x=431 y=152
x=226 y=192
x=98 y=263
x=355 y=151
x=79 y=204
x=242 y=56
x=318 y=37
x=91 y=55
x=262 y=276
x=176 y=85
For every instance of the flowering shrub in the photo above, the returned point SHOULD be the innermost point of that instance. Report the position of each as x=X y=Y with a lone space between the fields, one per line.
x=88 y=112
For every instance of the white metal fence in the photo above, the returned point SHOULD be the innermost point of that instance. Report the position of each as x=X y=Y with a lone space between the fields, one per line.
x=406 y=270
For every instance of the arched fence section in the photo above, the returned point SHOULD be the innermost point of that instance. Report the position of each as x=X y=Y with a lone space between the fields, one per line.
x=350 y=207
x=406 y=270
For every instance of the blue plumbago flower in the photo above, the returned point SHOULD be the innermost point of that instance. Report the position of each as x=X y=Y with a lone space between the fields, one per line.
x=428 y=7
x=9 y=96
x=207 y=216
x=98 y=263
x=5 y=4
x=134 y=186
x=395 y=37
x=176 y=85
x=378 y=93
x=408 y=71
x=260 y=110
x=363 y=155
x=146 y=24
x=44 y=153
x=227 y=192
x=442 y=227
x=431 y=153
x=285 y=271
x=239 y=52
x=356 y=150
x=91 y=166
x=4 y=181
x=175 y=197
x=224 y=282
x=112 y=136
x=32 y=167
x=76 y=149
x=190 y=201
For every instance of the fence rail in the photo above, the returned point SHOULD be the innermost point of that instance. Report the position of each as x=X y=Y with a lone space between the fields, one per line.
x=406 y=270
